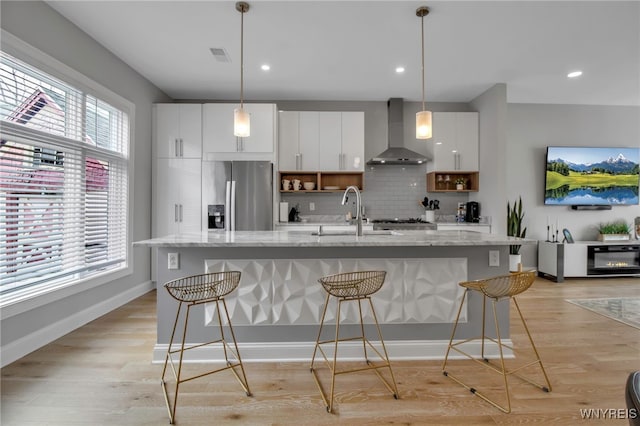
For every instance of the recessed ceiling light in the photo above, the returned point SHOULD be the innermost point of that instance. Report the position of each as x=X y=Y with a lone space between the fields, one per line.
x=574 y=74
x=400 y=70
x=265 y=67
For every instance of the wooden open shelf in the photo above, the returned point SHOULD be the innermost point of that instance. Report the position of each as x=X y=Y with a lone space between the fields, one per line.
x=436 y=181
x=341 y=180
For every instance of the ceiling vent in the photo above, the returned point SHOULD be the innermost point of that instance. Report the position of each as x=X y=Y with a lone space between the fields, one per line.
x=220 y=54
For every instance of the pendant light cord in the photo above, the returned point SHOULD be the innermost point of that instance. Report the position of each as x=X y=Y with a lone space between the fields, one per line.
x=242 y=59
x=422 y=40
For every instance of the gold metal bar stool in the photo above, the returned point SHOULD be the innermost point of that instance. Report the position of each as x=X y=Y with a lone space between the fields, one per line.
x=352 y=287
x=196 y=290
x=497 y=288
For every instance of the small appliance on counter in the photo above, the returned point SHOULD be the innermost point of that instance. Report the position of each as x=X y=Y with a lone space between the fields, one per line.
x=472 y=212
x=294 y=214
x=284 y=211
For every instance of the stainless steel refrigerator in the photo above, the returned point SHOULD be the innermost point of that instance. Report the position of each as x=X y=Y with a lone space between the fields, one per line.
x=237 y=195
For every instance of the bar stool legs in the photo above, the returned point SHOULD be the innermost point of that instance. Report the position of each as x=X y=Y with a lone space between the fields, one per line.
x=492 y=292
x=367 y=347
x=231 y=353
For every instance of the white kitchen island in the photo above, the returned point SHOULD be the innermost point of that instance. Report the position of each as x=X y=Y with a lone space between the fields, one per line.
x=277 y=306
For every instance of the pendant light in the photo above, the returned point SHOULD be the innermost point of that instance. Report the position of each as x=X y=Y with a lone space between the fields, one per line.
x=423 y=118
x=241 y=118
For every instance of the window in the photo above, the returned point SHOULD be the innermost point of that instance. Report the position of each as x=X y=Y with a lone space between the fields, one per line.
x=64 y=161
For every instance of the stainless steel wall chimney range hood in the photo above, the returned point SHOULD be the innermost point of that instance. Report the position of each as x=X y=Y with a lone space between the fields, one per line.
x=396 y=153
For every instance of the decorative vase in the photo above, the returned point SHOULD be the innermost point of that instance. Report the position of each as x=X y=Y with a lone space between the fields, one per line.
x=515 y=262
x=459 y=186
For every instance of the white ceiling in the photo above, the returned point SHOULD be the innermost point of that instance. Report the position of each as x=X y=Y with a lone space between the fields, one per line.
x=348 y=50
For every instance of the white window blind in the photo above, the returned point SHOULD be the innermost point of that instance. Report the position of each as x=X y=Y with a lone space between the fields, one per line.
x=63 y=180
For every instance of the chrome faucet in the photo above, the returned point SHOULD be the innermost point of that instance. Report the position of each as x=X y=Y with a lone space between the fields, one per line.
x=358 y=217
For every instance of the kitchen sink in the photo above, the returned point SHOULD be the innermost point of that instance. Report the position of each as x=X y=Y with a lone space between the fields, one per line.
x=364 y=233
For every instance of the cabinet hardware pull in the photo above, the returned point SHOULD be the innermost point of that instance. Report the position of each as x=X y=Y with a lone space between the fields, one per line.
x=181 y=148
x=175 y=212
x=180 y=212
x=175 y=147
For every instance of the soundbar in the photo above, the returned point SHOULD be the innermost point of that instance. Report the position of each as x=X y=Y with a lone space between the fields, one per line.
x=593 y=207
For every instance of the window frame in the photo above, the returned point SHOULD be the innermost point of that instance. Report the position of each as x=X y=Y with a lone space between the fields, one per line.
x=22 y=300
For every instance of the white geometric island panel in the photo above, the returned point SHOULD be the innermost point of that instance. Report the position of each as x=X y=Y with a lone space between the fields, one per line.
x=286 y=292
x=435 y=295
x=251 y=302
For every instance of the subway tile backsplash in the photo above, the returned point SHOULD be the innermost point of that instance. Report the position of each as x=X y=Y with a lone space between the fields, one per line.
x=390 y=191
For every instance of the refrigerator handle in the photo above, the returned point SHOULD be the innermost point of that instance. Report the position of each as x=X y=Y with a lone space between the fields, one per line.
x=233 y=205
x=227 y=207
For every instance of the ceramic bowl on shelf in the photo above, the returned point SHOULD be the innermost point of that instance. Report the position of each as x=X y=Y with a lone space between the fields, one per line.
x=328 y=188
x=309 y=185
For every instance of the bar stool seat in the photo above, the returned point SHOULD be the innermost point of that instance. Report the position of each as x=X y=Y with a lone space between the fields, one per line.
x=191 y=291
x=348 y=287
x=497 y=288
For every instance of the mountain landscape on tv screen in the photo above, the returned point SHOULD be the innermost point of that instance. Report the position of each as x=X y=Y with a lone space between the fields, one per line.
x=586 y=176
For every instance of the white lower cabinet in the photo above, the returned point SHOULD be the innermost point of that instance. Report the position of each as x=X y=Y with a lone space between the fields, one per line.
x=177 y=206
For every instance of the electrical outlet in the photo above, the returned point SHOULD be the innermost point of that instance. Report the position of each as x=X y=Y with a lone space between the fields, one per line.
x=173 y=261
x=312 y=206
x=494 y=258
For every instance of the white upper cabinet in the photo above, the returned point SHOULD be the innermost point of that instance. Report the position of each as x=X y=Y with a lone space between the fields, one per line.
x=352 y=141
x=454 y=145
x=178 y=130
x=321 y=141
x=330 y=140
x=217 y=129
x=298 y=146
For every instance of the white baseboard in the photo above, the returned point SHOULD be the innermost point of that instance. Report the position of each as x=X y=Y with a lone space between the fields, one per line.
x=29 y=343
x=398 y=350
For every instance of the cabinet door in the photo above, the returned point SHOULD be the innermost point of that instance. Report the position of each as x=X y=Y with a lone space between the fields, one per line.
x=177 y=207
x=262 y=128
x=188 y=175
x=178 y=130
x=167 y=199
x=467 y=140
x=217 y=128
x=167 y=130
x=444 y=141
x=309 y=147
x=190 y=130
x=288 y=137
x=330 y=141
x=352 y=141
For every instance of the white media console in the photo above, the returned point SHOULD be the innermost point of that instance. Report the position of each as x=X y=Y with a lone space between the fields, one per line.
x=558 y=261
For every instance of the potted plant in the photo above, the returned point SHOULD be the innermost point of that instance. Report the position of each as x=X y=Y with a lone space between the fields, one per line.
x=614 y=231
x=514 y=229
x=460 y=184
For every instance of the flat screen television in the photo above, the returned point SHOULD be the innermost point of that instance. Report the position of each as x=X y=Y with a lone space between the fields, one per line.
x=586 y=176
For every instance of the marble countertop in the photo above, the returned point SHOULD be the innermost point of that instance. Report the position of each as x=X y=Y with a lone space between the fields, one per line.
x=285 y=238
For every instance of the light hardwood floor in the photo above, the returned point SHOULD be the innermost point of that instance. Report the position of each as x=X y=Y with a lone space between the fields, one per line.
x=102 y=374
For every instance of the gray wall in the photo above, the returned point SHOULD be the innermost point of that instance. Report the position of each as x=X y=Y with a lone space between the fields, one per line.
x=531 y=128
x=37 y=24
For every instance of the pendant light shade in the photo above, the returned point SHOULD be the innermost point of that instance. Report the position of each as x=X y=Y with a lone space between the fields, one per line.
x=423 y=125
x=424 y=128
x=241 y=118
x=241 y=123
